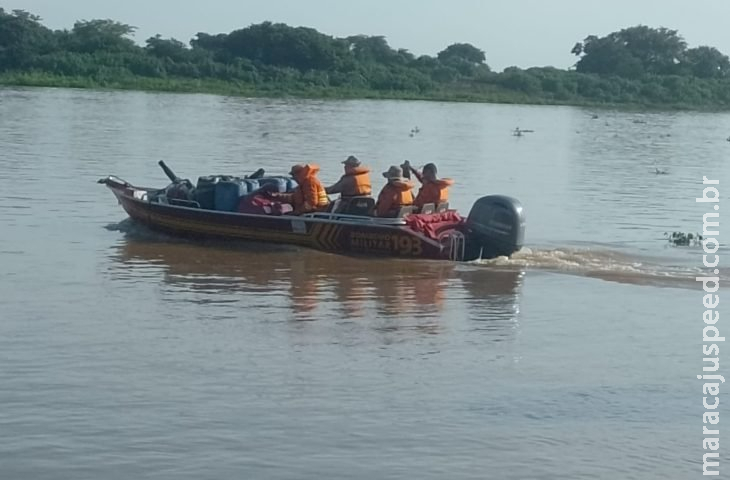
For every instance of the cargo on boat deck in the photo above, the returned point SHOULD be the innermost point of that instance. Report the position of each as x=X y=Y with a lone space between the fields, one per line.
x=283 y=184
x=260 y=205
x=228 y=193
x=278 y=184
x=250 y=186
x=223 y=192
x=205 y=190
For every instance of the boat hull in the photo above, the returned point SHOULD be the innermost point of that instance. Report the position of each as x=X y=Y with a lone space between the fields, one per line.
x=356 y=237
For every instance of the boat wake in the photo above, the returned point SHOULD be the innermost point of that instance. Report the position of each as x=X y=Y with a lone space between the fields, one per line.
x=599 y=263
x=604 y=264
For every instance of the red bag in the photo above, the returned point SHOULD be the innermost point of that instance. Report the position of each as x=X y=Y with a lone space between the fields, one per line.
x=261 y=205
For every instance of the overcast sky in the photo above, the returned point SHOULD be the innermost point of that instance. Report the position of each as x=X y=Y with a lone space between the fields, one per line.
x=524 y=33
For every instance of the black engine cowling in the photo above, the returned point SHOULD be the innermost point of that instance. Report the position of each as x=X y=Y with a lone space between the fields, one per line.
x=495 y=227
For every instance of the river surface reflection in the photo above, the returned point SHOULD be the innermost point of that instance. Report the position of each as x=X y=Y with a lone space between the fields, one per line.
x=305 y=285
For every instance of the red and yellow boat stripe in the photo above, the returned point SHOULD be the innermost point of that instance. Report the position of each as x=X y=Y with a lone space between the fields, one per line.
x=326 y=236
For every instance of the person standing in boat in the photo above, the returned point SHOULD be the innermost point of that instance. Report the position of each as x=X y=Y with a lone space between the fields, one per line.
x=395 y=195
x=433 y=190
x=355 y=182
x=310 y=195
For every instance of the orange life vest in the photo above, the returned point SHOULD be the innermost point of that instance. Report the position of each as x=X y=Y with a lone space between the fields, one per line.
x=361 y=182
x=433 y=192
x=394 y=195
x=310 y=195
x=322 y=199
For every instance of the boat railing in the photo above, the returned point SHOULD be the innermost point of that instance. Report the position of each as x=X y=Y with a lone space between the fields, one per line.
x=457 y=246
x=343 y=217
x=326 y=216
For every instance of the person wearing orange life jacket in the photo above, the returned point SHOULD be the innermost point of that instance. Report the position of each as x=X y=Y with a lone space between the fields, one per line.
x=395 y=194
x=433 y=189
x=355 y=182
x=310 y=195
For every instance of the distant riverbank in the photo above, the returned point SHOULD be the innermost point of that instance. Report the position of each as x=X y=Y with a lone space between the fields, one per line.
x=636 y=68
x=494 y=94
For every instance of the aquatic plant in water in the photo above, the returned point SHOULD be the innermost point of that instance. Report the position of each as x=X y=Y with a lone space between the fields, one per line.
x=681 y=239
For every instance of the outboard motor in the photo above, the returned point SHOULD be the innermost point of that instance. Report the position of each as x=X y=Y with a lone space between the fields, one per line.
x=495 y=227
x=179 y=189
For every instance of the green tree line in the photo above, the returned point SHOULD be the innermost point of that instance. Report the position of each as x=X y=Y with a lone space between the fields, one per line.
x=637 y=65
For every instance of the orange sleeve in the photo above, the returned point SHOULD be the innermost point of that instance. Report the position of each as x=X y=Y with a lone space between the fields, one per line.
x=293 y=198
x=385 y=201
x=309 y=189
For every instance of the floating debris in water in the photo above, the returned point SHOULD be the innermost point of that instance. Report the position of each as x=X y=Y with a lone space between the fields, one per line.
x=681 y=239
x=518 y=132
x=659 y=171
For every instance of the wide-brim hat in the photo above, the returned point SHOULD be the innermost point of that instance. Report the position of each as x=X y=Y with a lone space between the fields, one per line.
x=393 y=172
x=351 y=161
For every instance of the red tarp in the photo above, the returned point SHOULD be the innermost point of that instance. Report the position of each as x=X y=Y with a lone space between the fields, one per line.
x=260 y=205
x=433 y=224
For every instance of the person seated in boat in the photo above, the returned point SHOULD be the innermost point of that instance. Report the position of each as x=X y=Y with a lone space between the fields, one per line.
x=433 y=190
x=309 y=195
x=355 y=182
x=395 y=195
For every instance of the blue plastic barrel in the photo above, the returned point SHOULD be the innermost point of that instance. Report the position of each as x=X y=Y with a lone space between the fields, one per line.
x=279 y=182
x=205 y=192
x=227 y=195
x=249 y=186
